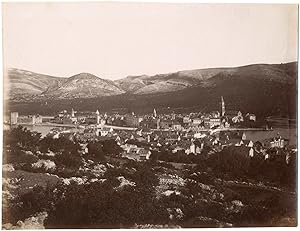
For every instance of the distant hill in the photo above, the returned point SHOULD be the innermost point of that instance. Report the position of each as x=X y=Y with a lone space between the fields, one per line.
x=165 y=82
x=23 y=84
x=84 y=85
x=264 y=89
x=27 y=85
x=205 y=77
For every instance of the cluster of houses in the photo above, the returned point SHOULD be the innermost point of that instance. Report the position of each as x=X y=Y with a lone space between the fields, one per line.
x=172 y=122
x=133 y=152
x=185 y=133
x=139 y=144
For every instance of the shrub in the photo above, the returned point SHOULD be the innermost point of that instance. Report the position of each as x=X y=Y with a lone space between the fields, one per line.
x=68 y=160
x=97 y=205
x=231 y=160
x=58 y=145
x=18 y=156
x=36 y=200
x=22 y=137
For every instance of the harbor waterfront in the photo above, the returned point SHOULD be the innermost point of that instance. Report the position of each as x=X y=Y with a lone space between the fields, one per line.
x=222 y=128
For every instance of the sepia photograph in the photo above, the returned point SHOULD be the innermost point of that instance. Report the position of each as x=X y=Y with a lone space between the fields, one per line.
x=147 y=115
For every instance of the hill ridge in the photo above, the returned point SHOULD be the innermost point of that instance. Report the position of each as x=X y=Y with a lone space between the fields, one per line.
x=24 y=84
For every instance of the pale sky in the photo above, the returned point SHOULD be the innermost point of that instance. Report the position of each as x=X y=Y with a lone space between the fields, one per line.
x=114 y=40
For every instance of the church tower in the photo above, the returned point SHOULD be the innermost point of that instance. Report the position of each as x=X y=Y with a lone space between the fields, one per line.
x=73 y=113
x=154 y=113
x=98 y=117
x=222 y=106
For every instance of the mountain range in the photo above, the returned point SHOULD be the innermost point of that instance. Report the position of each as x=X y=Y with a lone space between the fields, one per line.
x=85 y=85
x=273 y=84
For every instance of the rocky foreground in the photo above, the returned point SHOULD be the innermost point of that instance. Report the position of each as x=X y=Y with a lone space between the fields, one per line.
x=188 y=198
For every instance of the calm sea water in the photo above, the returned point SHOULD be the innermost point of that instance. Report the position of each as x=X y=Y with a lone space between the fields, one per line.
x=287 y=133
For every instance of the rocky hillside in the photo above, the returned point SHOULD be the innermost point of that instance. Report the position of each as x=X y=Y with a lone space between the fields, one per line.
x=165 y=82
x=29 y=85
x=84 y=85
x=26 y=85
x=205 y=77
x=22 y=83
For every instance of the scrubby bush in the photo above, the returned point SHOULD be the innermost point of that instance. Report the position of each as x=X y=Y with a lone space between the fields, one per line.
x=110 y=147
x=68 y=160
x=99 y=205
x=19 y=156
x=230 y=160
x=22 y=137
x=95 y=151
x=234 y=163
x=58 y=145
x=25 y=205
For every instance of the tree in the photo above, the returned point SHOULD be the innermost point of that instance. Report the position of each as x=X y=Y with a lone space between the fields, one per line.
x=58 y=145
x=22 y=137
x=99 y=149
x=99 y=205
x=69 y=160
x=95 y=150
x=38 y=199
x=17 y=142
x=110 y=147
x=234 y=161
